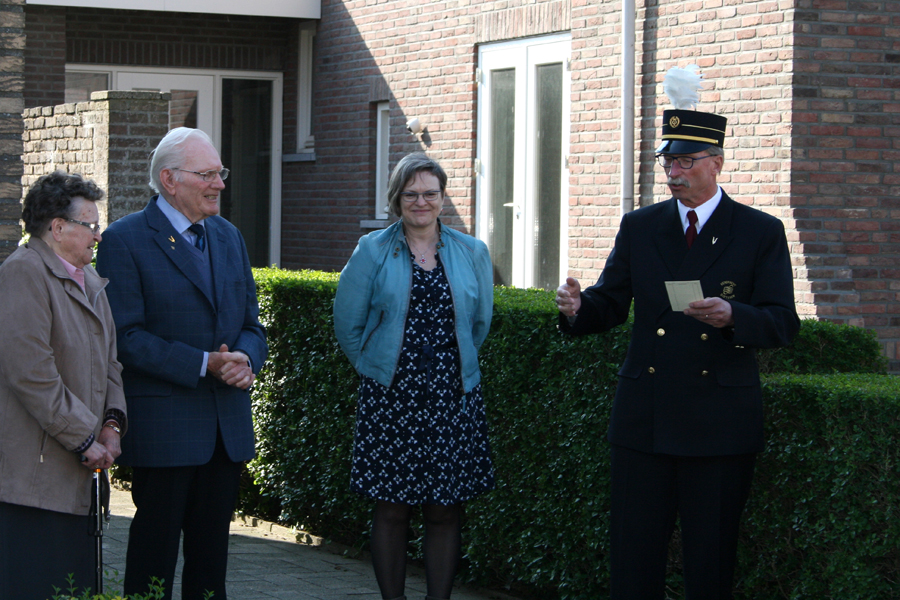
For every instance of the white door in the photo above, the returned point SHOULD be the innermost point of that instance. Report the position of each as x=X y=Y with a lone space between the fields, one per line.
x=523 y=140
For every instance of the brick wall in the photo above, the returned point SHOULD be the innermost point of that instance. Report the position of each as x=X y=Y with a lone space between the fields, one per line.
x=743 y=51
x=419 y=56
x=12 y=44
x=108 y=139
x=845 y=173
x=45 y=56
x=806 y=88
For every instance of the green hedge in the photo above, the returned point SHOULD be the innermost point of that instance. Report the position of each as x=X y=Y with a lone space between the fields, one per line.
x=818 y=524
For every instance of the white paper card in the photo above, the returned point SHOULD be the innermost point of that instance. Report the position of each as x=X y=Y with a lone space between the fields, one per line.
x=682 y=293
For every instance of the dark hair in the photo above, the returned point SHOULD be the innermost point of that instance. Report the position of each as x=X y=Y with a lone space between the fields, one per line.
x=51 y=197
x=405 y=171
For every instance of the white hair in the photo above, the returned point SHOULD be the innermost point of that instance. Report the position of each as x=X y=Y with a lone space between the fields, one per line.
x=170 y=152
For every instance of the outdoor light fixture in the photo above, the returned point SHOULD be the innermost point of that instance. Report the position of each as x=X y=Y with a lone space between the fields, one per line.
x=414 y=126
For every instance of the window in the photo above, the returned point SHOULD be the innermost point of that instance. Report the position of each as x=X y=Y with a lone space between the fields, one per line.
x=80 y=85
x=382 y=154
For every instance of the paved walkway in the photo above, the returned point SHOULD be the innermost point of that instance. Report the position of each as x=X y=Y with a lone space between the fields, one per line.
x=266 y=562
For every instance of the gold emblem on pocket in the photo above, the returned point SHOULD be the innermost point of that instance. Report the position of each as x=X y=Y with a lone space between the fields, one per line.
x=728 y=289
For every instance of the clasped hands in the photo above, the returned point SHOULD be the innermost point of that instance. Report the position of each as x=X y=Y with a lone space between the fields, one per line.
x=712 y=311
x=231 y=368
x=104 y=451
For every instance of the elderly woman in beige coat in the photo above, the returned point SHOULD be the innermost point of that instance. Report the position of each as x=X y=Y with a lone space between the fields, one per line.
x=62 y=408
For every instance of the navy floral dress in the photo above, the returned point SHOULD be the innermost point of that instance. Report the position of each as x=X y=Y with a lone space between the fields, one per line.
x=422 y=441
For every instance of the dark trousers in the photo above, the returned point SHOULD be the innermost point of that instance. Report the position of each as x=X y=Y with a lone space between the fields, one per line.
x=198 y=500
x=648 y=491
x=40 y=548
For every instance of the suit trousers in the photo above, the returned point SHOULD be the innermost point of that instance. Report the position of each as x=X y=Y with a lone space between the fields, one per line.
x=197 y=500
x=707 y=494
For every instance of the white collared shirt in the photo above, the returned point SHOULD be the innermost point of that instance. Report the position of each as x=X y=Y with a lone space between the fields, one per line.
x=178 y=220
x=704 y=211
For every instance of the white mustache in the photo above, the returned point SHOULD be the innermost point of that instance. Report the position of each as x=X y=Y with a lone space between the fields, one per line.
x=683 y=182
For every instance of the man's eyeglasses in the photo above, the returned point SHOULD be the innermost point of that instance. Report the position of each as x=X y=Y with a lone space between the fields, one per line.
x=429 y=196
x=208 y=176
x=685 y=162
x=94 y=227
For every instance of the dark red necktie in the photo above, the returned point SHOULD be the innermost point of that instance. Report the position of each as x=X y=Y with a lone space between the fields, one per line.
x=690 y=234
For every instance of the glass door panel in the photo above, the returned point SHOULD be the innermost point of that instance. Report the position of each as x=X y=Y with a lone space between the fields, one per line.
x=547 y=175
x=502 y=207
x=247 y=151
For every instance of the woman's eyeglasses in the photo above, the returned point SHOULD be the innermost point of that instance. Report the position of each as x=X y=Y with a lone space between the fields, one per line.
x=429 y=196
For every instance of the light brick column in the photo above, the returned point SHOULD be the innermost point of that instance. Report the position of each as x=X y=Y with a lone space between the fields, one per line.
x=108 y=139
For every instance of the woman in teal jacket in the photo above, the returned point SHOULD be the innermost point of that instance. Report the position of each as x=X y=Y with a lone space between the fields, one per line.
x=412 y=308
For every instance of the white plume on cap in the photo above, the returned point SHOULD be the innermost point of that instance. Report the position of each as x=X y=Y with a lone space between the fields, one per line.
x=682 y=86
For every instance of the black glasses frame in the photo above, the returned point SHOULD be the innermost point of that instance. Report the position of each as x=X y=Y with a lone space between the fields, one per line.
x=662 y=159
x=414 y=197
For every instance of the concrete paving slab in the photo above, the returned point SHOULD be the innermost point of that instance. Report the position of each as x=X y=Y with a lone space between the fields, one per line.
x=267 y=563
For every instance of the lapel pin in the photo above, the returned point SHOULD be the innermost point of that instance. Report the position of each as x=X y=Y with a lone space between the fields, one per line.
x=171 y=239
x=715 y=239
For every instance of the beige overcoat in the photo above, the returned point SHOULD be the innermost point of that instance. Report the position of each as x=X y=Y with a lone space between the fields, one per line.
x=58 y=377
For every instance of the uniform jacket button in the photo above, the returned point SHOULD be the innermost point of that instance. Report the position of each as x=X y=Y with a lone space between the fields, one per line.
x=651 y=370
x=704 y=373
x=660 y=332
x=704 y=337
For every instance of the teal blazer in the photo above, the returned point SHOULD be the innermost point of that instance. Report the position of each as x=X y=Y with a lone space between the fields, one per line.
x=373 y=298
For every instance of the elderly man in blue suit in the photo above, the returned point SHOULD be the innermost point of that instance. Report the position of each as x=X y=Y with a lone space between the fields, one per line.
x=189 y=338
x=687 y=420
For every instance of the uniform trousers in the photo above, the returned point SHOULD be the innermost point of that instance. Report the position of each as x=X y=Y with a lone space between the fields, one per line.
x=197 y=500
x=707 y=494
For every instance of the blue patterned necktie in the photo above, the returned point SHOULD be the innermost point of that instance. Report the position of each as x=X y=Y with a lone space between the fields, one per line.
x=200 y=242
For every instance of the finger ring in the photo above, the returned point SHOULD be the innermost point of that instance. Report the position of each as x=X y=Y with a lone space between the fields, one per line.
x=707 y=316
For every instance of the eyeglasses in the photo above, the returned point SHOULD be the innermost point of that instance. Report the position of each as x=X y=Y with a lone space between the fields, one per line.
x=208 y=176
x=429 y=196
x=685 y=162
x=94 y=227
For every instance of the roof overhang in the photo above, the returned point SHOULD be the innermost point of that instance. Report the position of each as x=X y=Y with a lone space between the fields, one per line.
x=296 y=9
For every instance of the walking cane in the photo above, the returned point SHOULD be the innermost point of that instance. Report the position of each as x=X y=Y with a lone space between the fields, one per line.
x=97 y=521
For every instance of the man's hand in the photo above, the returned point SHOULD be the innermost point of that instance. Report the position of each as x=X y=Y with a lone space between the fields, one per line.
x=232 y=368
x=568 y=297
x=97 y=456
x=712 y=311
x=111 y=441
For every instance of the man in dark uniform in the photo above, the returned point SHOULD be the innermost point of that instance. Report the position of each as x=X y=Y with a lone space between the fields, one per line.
x=687 y=420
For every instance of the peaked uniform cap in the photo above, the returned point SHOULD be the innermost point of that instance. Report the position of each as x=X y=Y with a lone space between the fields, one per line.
x=690 y=131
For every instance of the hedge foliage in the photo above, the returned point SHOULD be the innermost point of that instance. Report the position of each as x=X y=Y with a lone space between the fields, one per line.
x=820 y=520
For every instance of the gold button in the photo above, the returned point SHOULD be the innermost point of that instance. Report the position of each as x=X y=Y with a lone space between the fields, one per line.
x=704 y=373
x=651 y=370
x=660 y=332
x=704 y=337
